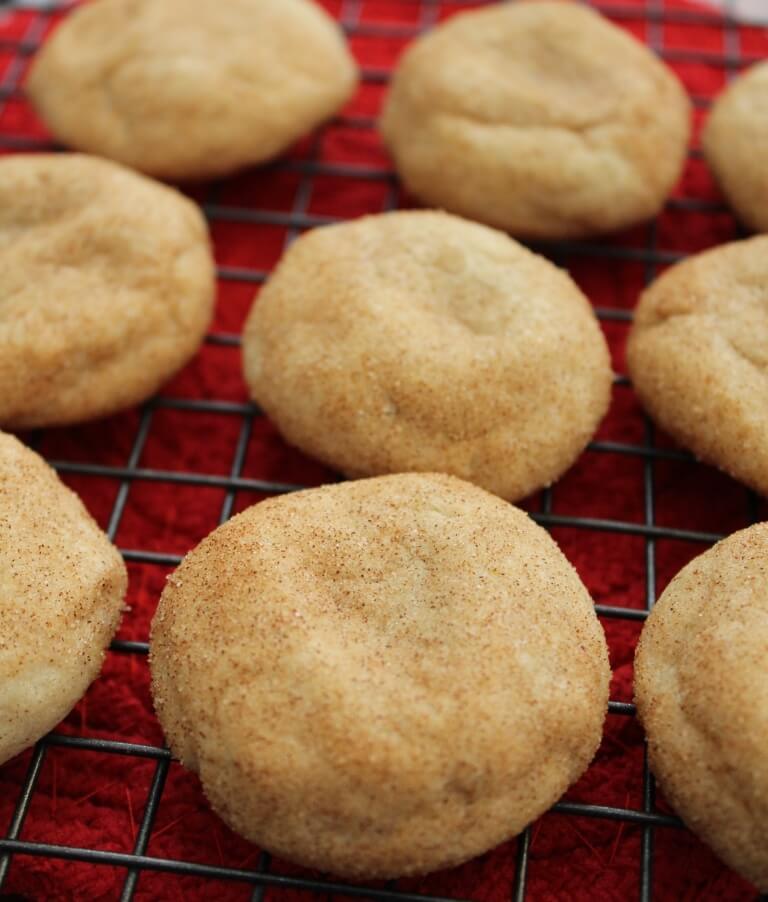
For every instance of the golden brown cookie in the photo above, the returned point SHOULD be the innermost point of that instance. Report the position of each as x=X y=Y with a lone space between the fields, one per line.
x=421 y=341
x=543 y=119
x=61 y=593
x=702 y=695
x=698 y=357
x=191 y=89
x=381 y=677
x=735 y=141
x=106 y=287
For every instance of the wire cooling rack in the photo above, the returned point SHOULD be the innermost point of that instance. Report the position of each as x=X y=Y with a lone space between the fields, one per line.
x=304 y=171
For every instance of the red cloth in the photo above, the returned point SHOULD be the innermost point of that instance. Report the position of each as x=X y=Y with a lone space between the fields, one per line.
x=96 y=801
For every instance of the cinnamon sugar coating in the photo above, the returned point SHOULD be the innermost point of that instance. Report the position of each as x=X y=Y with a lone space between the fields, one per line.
x=702 y=695
x=62 y=585
x=106 y=287
x=191 y=89
x=735 y=142
x=380 y=677
x=421 y=341
x=544 y=119
x=698 y=357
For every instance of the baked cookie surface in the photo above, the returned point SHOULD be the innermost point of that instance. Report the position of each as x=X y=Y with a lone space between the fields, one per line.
x=62 y=585
x=542 y=118
x=191 y=89
x=702 y=695
x=420 y=341
x=381 y=677
x=106 y=287
x=735 y=142
x=698 y=357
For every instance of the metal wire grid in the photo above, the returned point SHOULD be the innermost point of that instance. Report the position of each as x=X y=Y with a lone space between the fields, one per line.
x=655 y=15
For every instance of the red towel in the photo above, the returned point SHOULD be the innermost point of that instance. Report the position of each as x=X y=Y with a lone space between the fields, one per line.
x=92 y=800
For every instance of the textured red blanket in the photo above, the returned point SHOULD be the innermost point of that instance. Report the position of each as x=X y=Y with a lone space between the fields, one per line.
x=162 y=478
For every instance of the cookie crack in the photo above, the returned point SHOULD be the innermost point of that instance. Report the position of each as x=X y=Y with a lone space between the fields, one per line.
x=743 y=354
x=583 y=131
x=740 y=352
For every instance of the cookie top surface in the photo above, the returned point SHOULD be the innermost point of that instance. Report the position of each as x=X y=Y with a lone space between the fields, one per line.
x=703 y=698
x=106 y=287
x=698 y=357
x=61 y=593
x=542 y=118
x=381 y=677
x=191 y=89
x=735 y=141
x=420 y=341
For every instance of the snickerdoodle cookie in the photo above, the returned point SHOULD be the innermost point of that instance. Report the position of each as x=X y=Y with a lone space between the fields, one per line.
x=421 y=341
x=702 y=694
x=698 y=357
x=61 y=593
x=106 y=287
x=380 y=677
x=540 y=118
x=191 y=89
x=735 y=142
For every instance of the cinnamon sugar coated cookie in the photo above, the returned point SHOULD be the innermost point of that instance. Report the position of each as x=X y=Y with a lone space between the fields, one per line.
x=698 y=357
x=191 y=89
x=702 y=695
x=106 y=287
x=735 y=141
x=543 y=119
x=382 y=677
x=61 y=593
x=420 y=341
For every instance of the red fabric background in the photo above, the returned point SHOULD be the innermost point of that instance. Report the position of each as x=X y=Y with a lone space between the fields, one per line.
x=93 y=800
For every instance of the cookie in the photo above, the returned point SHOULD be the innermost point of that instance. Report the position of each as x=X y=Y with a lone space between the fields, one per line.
x=420 y=341
x=543 y=119
x=106 y=288
x=735 y=142
x=703 y=698
x=381 y=677
x=191 y=89
x=698 y=357
x=62 y=585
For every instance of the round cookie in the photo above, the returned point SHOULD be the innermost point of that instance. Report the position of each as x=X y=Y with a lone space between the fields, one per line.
x=381 y=677
x=62 y=585
x=543 y=119
x=735 y=142
x=698 y=357
x=106 y=288
x=191 y=89
x=702 y=696
x=420 y=341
